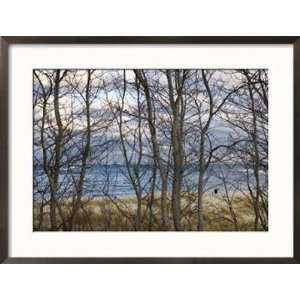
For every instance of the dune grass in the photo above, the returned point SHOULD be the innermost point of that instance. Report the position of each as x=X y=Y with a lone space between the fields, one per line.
x=105 y=214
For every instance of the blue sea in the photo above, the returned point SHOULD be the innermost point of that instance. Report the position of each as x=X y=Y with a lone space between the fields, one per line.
x=113 y=180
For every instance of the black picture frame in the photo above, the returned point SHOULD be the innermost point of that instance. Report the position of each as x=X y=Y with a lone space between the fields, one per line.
x=6 y=42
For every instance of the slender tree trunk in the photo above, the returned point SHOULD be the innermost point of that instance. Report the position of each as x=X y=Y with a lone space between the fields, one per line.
x=177 y=152
x=177 y=176
x=52 y=172
x=137 y=167
x=155 y=148
x=132 y=173
x=256 y=163
x=200 y=185
x=58 y=145
x=58 y=155
x=230 y=206
x=152 y=198
x=85 y=153
x=163 y=203
x=41 y=216
x=233 y=216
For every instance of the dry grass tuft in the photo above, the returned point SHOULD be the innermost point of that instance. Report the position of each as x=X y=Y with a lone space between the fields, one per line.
x=103 y=214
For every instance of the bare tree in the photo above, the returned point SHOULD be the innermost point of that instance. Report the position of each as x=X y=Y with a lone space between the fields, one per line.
x=157 y=160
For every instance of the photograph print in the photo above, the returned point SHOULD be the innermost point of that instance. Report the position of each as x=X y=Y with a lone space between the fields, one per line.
x=150 y=150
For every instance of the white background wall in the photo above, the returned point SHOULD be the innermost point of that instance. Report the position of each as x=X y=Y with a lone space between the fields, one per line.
x=210 y=17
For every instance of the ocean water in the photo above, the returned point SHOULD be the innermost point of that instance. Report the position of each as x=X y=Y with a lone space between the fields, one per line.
x=113 y=180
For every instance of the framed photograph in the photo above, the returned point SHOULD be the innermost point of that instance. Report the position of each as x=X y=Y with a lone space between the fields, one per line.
x=149 y=150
